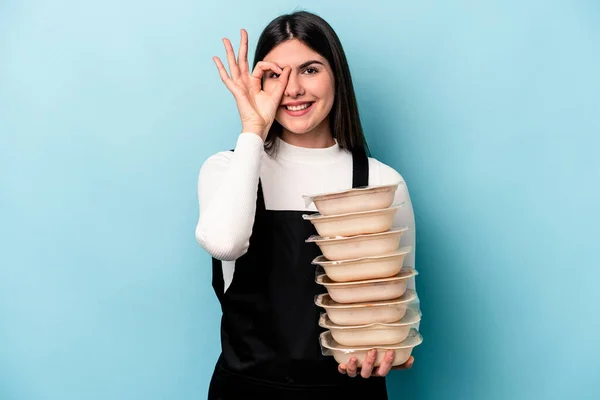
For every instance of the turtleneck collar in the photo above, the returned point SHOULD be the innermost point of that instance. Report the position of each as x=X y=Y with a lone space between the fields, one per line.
x=299 y=154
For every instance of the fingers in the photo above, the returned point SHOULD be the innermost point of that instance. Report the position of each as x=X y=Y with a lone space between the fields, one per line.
x=386 y=364
x=408 y=364
x=264 y=66
x=368 y=363
x=233 y=67
x=282 y=82
x=352 y=367
x=243 y=53
x=223 y=74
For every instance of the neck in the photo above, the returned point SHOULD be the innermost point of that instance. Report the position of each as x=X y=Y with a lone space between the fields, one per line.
x=318 y=138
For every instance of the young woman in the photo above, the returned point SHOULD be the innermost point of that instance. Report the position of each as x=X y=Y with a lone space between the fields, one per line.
x=301 y=134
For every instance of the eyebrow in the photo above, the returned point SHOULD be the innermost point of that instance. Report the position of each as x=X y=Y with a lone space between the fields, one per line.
x=306 y=64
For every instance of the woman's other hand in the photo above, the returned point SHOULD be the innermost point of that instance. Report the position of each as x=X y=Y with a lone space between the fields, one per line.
x=257 y=108
x=367 y=369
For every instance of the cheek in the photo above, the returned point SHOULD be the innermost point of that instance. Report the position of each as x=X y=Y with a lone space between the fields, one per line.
x=325 y=92
x=327 y=100
x=324 y=89
x=330 y=98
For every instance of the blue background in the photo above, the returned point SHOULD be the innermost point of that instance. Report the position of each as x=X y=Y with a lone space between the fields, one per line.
x=108 y=109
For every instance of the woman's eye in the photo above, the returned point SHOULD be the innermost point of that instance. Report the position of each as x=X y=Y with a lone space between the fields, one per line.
x=311 y=71
x=273 y=75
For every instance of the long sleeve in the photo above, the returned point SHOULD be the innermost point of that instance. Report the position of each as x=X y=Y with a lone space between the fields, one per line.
x=227 y=192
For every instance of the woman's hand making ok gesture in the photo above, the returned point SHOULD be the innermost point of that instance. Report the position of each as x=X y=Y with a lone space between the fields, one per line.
x=257 y=107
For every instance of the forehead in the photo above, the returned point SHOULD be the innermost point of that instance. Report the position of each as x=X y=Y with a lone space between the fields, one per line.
x=293 y=52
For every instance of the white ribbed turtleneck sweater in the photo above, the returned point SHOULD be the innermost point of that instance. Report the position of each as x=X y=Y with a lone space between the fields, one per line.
x=227 y=190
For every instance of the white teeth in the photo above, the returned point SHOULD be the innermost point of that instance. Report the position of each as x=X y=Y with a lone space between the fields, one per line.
x=298 y=108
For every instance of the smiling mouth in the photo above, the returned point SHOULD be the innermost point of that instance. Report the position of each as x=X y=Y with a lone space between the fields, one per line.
x=298 y=107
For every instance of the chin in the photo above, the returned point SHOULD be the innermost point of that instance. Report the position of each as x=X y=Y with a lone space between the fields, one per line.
x=297 y=131
x=298 y=128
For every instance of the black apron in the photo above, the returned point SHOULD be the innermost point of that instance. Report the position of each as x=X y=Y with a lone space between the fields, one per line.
x=269 y=328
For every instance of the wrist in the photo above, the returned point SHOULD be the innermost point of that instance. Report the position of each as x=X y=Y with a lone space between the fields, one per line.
x=257 y=130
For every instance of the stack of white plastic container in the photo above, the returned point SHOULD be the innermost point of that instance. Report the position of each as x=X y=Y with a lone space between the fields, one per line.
x=368 y=305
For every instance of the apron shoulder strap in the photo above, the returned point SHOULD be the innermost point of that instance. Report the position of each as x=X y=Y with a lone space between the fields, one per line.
x=360 y=169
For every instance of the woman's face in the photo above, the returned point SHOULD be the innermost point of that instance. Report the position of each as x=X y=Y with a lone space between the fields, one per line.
x=310 y=91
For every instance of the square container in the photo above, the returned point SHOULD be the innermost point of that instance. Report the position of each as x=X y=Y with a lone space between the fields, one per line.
x=377 y=334
x=353 y=200
x=364 y=268
x=368 y=290
x=369 y=312
x=349 y=247
x=342 y=354
x=352 y=224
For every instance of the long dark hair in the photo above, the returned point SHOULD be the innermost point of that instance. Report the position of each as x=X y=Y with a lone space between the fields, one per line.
x=317 y=34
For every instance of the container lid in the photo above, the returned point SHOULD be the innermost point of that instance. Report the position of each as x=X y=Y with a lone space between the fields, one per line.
x=309 y=198
x=321 y=260
x=414 y=339
x=325 y=301
x=392 y=209
x=411 y=317
x=391 y=232
x=405 y=273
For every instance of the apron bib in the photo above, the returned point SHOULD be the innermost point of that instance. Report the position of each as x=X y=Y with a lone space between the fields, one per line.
x=269 y=328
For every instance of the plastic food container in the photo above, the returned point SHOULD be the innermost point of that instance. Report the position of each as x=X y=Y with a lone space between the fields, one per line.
x=353 y=200
x=377 y=334
x=367 y=290
x=342 y=354
x=351 y=224
x=364 y=268
x=368 y=312
x=349 y=247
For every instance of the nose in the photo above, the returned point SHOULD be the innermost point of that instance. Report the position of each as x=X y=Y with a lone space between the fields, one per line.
x=294 y=87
